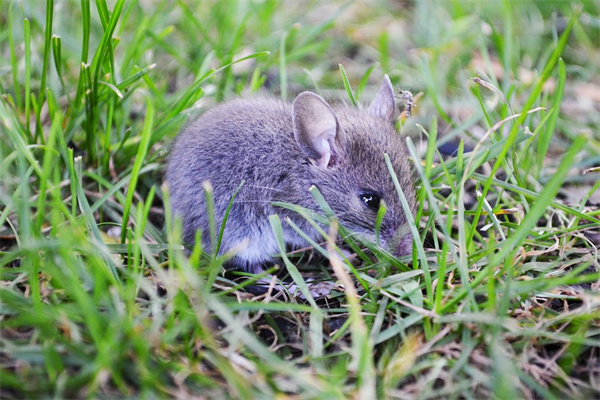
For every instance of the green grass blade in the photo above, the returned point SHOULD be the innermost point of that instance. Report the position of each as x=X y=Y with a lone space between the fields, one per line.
x=85 y=48
x=363 y=81
x=126 y=83
x=137 y=166
x=347 y=86
x=57 y=57
x=27 y=38
x=283 y=84
x=46 y=60
x=225 y=217
x=545 y=136
x=48 y=168
x=13 y=55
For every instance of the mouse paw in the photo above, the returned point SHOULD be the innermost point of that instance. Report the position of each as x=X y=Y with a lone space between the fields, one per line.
x=317 y=289
x=321 y=289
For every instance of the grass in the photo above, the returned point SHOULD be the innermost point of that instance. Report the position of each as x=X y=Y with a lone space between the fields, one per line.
x=500 y=298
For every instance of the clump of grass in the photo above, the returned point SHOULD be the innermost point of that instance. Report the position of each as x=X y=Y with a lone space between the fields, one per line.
x=500 y=297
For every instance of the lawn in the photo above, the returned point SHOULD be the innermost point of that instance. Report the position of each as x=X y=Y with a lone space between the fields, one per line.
x=500 y=299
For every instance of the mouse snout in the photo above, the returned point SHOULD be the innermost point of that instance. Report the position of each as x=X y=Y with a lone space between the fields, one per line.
x=404 y=246
x=401 y=243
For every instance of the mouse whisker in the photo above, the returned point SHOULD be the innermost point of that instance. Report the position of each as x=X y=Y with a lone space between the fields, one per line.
x=233 y=187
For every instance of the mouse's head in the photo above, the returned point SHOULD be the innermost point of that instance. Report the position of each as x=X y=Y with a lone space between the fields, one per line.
x=345 y=148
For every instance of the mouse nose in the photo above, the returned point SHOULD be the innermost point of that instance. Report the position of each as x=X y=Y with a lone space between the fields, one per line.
x=401 y=243
x=404 y=246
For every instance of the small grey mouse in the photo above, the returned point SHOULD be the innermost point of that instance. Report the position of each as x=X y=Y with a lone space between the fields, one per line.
x=279 y=150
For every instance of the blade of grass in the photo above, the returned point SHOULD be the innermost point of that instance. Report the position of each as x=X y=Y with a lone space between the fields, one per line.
x=47 y=168
x=210 y=212
x=85 y=48
x=378 y=220
x=283 y=84
x=46 y=60
x=347 y=86
x=27 y=39
x=137 y=166
x=142 y=219
x=128 y=82
x=545 y=136
x=364 y=80
x=225 y=217
x=13 y=55
x=57 y=57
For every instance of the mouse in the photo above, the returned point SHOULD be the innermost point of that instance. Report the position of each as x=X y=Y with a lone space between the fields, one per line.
x=277 y=150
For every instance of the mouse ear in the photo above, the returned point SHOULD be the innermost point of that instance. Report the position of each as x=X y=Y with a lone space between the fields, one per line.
x=316 y=129
x=384 y=105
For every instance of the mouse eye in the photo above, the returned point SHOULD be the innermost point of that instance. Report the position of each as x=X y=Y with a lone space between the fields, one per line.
x=370 y=199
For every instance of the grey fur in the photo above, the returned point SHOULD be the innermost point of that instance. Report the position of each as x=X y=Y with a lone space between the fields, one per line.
x=280 y=150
